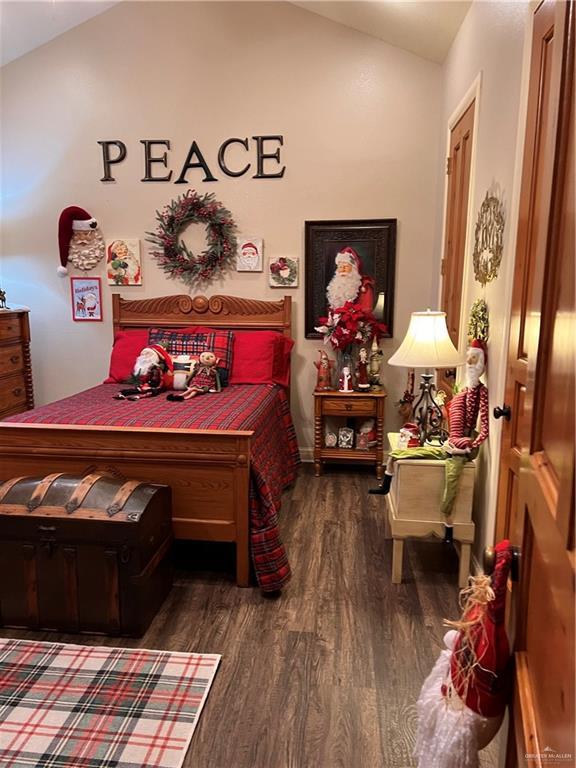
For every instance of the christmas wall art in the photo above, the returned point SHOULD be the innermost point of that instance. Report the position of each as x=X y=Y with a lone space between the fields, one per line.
x=86 y=298
x=172 y=254
x=123 y=265
x=79 y=240
x=488 y=240
x=249 y=256
x=283 y=272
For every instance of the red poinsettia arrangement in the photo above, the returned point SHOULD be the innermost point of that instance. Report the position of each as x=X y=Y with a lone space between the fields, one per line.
x=350 y=324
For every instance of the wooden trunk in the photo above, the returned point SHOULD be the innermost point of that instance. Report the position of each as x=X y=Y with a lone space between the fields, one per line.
x=83 y=554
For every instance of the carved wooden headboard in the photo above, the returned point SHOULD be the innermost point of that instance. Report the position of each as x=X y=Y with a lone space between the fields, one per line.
x=230 y=312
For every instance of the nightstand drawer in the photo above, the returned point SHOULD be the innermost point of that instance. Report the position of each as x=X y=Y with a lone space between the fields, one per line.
x=349 y=406
x=11 y=359
x=12 y=392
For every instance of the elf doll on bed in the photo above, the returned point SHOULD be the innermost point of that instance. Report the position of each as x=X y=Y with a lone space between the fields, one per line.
x=204 y=377
x=153 y=373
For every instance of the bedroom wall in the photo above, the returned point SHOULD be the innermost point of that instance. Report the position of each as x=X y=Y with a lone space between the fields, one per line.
x=494 y=42
x=361 y=124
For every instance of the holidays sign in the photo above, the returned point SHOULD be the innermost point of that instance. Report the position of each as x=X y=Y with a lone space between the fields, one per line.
x=258 y=156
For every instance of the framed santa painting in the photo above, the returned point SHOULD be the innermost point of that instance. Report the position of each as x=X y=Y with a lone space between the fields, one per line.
x=349 y=261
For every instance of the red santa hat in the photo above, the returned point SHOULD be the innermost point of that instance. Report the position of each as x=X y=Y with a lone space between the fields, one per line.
x=349 y=256
x=245 y=247
x=72 y=219
x=481 y=345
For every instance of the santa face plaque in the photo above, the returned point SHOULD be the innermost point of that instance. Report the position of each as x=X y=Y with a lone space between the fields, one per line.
x=86 y=298
x=249 y=254
x=349 y=261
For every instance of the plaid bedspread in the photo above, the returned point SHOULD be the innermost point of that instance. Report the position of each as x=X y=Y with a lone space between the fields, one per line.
x=74 y=706
x=260 y=407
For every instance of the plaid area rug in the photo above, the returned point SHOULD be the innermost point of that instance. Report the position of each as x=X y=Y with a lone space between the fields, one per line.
x=75 y=706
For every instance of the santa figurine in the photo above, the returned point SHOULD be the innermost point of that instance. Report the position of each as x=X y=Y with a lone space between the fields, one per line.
x=345 y=380
x=153 y=373
x=324 y=366
x=203 y=378
x=463 y=699
x=362 y=380
x=348 y=282
x=79 y=240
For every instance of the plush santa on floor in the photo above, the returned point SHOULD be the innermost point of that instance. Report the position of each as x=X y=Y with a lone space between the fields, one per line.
x=462 y=701
x=348 y=282
x=79 y=240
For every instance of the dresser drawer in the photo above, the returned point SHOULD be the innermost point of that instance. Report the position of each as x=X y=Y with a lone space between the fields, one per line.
x=10 y=328
x=349 y=406
x=12 y=392
x=11 y=359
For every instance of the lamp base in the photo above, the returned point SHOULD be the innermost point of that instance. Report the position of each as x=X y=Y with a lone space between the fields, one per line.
x=428 y=414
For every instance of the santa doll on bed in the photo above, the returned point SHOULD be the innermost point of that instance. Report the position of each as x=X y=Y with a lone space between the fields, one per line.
x=153 y=373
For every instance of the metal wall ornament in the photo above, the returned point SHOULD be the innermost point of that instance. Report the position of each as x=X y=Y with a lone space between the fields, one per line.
x=488 y=240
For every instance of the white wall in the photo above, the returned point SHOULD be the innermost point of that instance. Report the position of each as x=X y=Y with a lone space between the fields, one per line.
x=491 y=43
x=362 y=127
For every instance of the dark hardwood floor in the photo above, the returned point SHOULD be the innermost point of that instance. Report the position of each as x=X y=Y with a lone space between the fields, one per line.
x=327 y=674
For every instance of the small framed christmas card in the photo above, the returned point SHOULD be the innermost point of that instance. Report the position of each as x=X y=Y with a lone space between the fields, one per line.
x=86 y=298
x=283 y=272
x=249 y=255
x=123 y=265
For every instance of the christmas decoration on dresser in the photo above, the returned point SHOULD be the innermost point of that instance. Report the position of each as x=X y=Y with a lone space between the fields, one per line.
x=478 y=323
x=79 y=240
x=366 y=435
x=324 y=366
x=463 y=699
x=362 y=380
x=488 y=240
x=283 y=272
x=171 y=252
x=350 y=325
x=3 y=304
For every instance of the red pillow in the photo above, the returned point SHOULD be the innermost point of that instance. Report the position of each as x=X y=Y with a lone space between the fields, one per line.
x=261 y=357
x=127 y=347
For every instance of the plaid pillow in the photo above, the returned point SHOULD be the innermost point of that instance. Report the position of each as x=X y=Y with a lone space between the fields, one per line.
x=179 y=343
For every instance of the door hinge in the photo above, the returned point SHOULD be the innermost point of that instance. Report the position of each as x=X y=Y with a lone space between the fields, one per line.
x=448 y=166
x=443 y=267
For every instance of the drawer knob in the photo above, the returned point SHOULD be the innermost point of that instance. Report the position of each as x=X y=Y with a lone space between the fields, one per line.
x=348 y=406
x=17 y=391
x=14 y=359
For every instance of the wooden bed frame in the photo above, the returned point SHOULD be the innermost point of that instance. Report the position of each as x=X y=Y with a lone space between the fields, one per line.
x=208 y=470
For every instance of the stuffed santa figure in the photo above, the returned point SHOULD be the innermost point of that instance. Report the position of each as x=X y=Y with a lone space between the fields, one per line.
x=79 y=240
x=153 y=373
x=348 y=282
x=462 y=701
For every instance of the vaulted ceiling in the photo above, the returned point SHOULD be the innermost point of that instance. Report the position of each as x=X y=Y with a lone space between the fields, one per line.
x=424 y=27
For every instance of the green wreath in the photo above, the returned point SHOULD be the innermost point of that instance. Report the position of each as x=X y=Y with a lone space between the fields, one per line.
x=277 y=266
x=174 y=257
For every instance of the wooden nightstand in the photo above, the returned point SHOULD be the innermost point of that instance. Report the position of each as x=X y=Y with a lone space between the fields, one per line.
x=16 y=392
x=349 y=405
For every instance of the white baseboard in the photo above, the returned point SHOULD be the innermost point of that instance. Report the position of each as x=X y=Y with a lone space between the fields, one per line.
x=307 y=455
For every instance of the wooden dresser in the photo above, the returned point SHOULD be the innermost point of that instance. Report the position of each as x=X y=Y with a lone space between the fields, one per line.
x=16 y=391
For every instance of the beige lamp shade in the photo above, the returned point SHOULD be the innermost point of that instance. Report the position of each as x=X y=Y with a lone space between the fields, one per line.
x=427 y=343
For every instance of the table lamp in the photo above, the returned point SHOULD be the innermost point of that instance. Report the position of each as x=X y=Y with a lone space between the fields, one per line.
x=427 y=345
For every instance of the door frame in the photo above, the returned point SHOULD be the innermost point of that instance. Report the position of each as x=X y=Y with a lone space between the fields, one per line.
x=472 y=95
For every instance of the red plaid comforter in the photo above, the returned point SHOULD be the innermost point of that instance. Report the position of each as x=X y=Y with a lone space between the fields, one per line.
x=263 y=408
